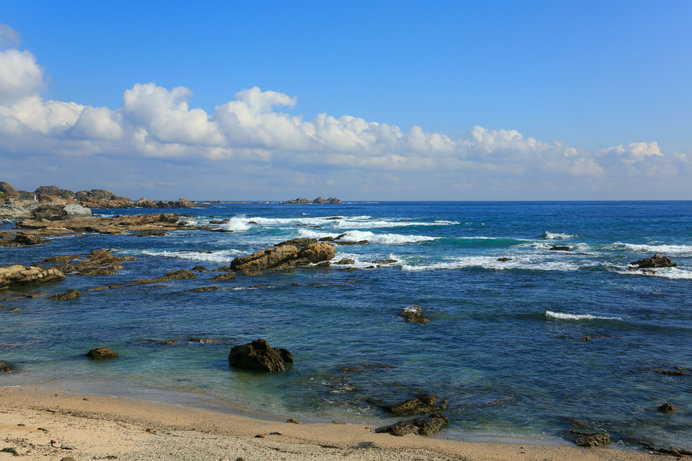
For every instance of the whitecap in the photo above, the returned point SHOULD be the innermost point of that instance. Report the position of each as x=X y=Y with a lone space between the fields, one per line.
x=563 y=316
x=221 y=256
x=557 y=236
x=358 y=236
x=492 y=263
x=664 y=272
x=680 y=250
x=237 y=223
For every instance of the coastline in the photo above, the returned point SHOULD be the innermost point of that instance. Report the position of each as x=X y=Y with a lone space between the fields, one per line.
x=39 y=422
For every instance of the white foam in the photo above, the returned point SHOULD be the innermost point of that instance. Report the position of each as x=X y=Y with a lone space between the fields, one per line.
x=491 y=262
x=563 y=316
x=351 y=223
x=665 y=272
x=680 y=250
x=222 y=256
x=358 y=236
x=557 y=236
x=237 y=223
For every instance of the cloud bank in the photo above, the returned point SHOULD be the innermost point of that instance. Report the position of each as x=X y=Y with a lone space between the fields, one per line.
x=252 y=130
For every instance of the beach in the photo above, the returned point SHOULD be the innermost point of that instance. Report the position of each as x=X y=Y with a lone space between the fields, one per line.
x=43 y=424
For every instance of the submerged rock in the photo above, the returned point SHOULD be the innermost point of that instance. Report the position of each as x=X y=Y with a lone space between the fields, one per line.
x=22 y=275
x=587 y=439
x=560 y=248
x=425 y=403
x=225 y=276
x=655 y=261
x=69 y=295
x=424 y=425
x=504 y=259
x=258 y=355
x=414 y=314
x=345 y=261
x=6 y=367
x=202 y=289
x=101 y=353
x=666 y=408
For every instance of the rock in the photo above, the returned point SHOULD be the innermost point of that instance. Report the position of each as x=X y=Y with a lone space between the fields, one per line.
x=560 y=248
x=7 y=191
x=265 y=259
x=677 y=371
x=655 y=261
x=200 y=269
x=115 y=225
x=588 y=439
x=150 y=234
x=202 y=289
x=24 y=239
x=346 y=243
x=292 y=421
x=69 y=295
x=316 y=252
x=422 y=404
x=666 y=408
x=101 y=353
x=414 y=314
x=43 y=192
x=97 y=262
x=297 y=201
x=11 y=450
x=299 y=242
x=21 y=275
x=502 y=260
x=345 y=261
x=225 y=276
x=6 y=367
x=384 y=261
x=176 y=275
x=330 y=201
x=258 y=355
x=424 y=425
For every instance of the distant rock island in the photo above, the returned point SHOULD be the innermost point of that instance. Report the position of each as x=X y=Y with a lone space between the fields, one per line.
x=94 y=198
x=318 y=200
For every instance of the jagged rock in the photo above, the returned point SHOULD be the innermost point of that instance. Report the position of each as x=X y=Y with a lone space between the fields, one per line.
x=225 y=276
x=22 y=275
x=422 y=404
x=666 y=408
x=24 y=239
x=345 y=261
x=116 y=225
x=258 y=355
x=101 y=353
x=655 y=261
x=69 y=295
x=299 y=242
x=48 y=193
x=283 y=256
x=414 y=314
x=424 y=425
x=200 y=269
x=97 y=262
x=201 y=289
x=502 y=260
x=176 y=275
x=560 y=248
x=588 y=439
x=384 y=261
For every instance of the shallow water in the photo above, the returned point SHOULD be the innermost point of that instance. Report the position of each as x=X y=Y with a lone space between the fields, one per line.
x=502 y=345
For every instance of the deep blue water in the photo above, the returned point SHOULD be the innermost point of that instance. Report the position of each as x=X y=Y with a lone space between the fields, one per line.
x=502 y=345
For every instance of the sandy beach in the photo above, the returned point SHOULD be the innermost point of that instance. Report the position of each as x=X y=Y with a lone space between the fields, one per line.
x=37 y=423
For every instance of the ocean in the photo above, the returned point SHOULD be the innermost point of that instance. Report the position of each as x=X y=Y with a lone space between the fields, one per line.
x=505 y=344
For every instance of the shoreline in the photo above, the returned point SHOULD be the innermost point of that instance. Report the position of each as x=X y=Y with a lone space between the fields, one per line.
x=40 y=422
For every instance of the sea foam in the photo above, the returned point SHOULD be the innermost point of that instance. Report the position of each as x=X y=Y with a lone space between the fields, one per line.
x=563 y=316
x=222 y=256
x=557 y=236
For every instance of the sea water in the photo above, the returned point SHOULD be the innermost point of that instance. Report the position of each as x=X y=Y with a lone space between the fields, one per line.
x=504 y=345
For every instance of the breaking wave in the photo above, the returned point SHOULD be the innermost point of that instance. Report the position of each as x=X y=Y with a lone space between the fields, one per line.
x=680 y=250
x=557 y=236
x=491 y=262
x=222 y=256
x=563 y=316
x=358 y=236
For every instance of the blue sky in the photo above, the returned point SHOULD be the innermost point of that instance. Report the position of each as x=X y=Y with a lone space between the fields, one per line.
x=420 y=100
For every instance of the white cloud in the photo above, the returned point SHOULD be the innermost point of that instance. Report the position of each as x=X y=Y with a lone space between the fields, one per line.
x=157 y=122
x=9 y=38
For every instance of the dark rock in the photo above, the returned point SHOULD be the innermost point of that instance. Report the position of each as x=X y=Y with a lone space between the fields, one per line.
x=24 y=239
x=176 y=275
x=258 y=355
x=666 y=408
x=348 y=269
x=560 y=248
x=676 y=371
x=72 y=294
x=655 y=261
x=101 y=353
x=150 y=234
x=422 y=404
x=345 y=243
x=345 y=261
x=424 y=425
x=223 y=269
x=225 y=276
x=588 y=439
x=200 y=269
x=13 y=451
x=414 y=314
x=283 y=257
x=385 y=261
x=201 y=289
x=6 y=367
x=504 y=259
x=292 y=421
x=299 y=242
x=52 y=191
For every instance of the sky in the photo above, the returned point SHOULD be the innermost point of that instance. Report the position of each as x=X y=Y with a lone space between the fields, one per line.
x=362 y=100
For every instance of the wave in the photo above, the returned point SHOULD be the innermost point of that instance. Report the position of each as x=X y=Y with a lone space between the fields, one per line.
x=680 y=250
x=351 y=223
x=668 y=273
x=237 y=224
x=222 y=256
x=358 y=236
x=243 y=222
x=562 y=316
x=557 y=236
x=491 y=262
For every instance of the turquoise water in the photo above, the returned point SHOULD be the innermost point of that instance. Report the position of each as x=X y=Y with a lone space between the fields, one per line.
x=502 y=345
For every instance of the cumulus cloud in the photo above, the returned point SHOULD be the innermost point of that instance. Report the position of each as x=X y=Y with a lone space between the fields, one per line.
x=157 y=122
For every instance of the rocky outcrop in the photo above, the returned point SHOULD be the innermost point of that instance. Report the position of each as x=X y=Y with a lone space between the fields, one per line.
x=60 y=212
x=101 y=353
x=180 y=203
x=655 y=261
x=20 y=240
x=414 y=314
x=23 y=275
x=283 y=256
x=67 y=296
x=258 y=355
x=318 y=200
x=345 y=261
x=115 y=225
x=588 y=439
x=425 y=403
x=424 y=425
x=224 y=276
x=97 y=262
